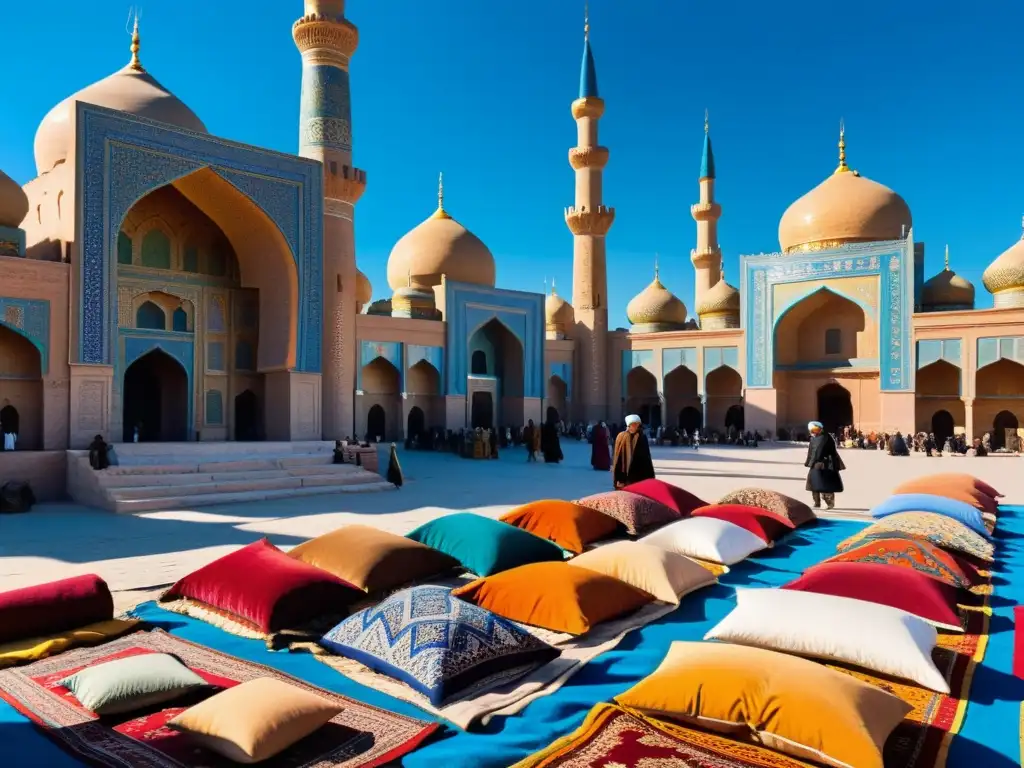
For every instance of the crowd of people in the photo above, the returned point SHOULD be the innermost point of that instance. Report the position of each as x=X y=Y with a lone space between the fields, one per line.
x=898 y=444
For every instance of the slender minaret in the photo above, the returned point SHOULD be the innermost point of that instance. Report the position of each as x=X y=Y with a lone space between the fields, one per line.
x=326 y=40
x=589 y=222
x=707 y=256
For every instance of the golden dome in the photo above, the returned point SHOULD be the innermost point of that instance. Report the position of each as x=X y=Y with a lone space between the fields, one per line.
x=439 y=246
x=722 y=298
x=656 y=305
x=131 y=90
x=947 y=290
x=1004 y=277
x=558 y=311
x=13 y=202
x=364 y=290
x=845 y=208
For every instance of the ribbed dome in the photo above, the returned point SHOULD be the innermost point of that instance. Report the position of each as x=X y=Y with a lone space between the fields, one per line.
x=1004 y=277
x=440 y=246
x=558 y=311
x=656 y=306
x=845 y=208
x=13 y=202
x=364 y=290
x=947 y=290
x=129 y=90
x=720 y=299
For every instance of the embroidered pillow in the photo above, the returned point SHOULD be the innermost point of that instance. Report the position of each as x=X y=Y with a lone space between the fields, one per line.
x=46 y=609
x=875 y=637
x=638 y=514
x=484 y=546
x=132 y=683
x=264 y=587
x=672 y=496
x=661 y=573
x=570 y=526
x=950 y=488
x=795 y=511
x=903 y=588
x=926 y=502
x=790 y=704
x=556 y=596
x=441 y=646
x=707 y=538
x=769 y=526
x=942 y=531
x=904 y=551
x=372 y=559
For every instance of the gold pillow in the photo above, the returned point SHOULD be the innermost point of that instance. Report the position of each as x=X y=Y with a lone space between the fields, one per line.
x=372 y=559
x=790 y=704
x=255 y=720
x=664 y=574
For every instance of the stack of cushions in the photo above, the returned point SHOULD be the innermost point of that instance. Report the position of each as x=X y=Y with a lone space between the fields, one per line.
x=262 y=588
x=665 y=575
x=672 y=496
x=373 y=560
x=939 y=530
x=786 y=703
x=443 y=647
x=569 y=525
x=962 y=487
x=927 y=502
x=707 y=538
x=795 y=511
x=46 y=609
x=769 y=526
x=638 y=514
x=905 y=551
x=484 y=546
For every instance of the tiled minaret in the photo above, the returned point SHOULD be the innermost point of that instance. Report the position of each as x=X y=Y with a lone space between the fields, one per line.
x=707 y=256
x=589 y=222
x=326 y=40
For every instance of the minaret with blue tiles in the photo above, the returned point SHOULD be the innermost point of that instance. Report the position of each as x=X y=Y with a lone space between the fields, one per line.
x=589 y=221
x=707 y=256
x=327 y=40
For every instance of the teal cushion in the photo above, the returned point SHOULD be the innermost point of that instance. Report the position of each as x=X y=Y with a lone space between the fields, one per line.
x=484 y=546
x=131 y=683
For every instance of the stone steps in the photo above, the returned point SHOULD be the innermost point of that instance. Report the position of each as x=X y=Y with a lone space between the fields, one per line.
x=209 y=499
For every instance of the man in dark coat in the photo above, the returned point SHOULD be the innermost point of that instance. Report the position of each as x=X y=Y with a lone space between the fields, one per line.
x=631 y=460
x=898 y=446
x=824 y=463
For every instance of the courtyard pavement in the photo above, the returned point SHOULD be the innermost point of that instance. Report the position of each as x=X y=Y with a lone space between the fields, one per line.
x=137 y=553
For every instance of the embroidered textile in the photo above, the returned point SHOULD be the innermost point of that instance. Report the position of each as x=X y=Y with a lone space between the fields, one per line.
x=937 y=529
x=795 y=511
x=637 y=513
x=906 y=553
x=439 y=645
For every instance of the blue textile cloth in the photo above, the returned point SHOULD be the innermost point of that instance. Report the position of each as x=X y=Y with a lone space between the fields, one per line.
x=940 y=505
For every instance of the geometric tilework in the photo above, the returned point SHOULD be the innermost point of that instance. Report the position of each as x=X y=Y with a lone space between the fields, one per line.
x=325 y=112
x=31 y=319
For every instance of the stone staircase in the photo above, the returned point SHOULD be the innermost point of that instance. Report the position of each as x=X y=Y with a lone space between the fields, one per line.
x=155 y=476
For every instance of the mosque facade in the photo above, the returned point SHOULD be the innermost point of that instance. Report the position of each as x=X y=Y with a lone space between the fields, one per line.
x=162 y=282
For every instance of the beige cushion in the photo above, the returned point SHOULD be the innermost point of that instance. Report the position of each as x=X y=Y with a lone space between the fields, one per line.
x=255 y=720
x=664 y=574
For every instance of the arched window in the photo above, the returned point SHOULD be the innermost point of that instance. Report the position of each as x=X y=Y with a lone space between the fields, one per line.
x=124 y=248
x=478 y=363
x=150 y=316
x=156 y=250
x=243 y=356
x=216 y=264
x=214 y=407
x=833 y=341
x=190 y=259
x=179 y=320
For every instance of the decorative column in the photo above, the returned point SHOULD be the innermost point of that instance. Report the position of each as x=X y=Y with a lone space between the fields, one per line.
x=327 y=40
x=969 y=418
x=589 y=221
x=707 y=256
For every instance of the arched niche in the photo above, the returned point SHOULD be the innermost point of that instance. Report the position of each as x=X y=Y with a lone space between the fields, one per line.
x=150 y=316
x=835 y=408
x=825 y=329
x=156 y=399
x=642 y=396
x=723 y=389
x=21 y=387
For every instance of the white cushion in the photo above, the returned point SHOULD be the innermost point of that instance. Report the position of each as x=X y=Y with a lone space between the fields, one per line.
x=706 y=538
x=876 y=637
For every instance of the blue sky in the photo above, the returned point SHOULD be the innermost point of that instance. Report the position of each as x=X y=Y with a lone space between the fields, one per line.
x=931 y=96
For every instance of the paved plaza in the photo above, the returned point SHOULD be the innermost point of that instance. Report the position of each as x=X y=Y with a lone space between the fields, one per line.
x=137 y=553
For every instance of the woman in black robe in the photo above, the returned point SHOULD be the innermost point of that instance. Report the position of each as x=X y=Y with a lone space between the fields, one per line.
x=98 y=458
x=550 y=445
x=394 y=474
x=631 y=461
x=825 y=464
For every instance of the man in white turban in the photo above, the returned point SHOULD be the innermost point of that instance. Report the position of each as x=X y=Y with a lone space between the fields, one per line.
x=631 y=459
x=824 y=465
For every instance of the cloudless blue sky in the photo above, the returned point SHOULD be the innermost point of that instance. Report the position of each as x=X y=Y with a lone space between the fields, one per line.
x=931 y=94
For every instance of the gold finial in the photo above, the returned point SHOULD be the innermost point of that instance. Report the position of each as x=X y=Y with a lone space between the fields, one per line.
x=586 y=20
x=705 y=120
x=656 y=276
x=440 y=213
x=843 y=167
x=947 y=257
x=135 y=64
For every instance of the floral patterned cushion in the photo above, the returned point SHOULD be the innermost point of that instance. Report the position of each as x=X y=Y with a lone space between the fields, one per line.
x=779 y=503
x=906 y=553
x=637 y=513
x=936 y=529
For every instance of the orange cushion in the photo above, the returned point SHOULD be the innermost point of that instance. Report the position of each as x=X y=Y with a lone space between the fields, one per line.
x=569 y=525
x=968 y=481
x=556 y=596
x=951 y=487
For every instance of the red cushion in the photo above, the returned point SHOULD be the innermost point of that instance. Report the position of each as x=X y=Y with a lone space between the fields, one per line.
x=770 y=526
x=1018 y=641
x=261 y=584
x=672 y=496
x=903 y=588
x=56 y=606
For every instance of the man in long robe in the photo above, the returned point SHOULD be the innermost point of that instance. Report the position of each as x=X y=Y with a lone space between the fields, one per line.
x=599 y=456
x=631 y=461
x=824 y=465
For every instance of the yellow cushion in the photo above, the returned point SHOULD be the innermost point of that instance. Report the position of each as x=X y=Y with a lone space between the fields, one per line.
x=255 y=720
x=372 y=559
x=664 y=574
x=35 y=648
x=790 y=704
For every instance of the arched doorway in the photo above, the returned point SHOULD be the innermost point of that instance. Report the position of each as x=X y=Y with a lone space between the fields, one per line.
x=482 y=411
x=691 y=420
x=835 y=408
x=416 y=423
x=21 y=389
x=504 y=358
x=156 y=399
x=9 y=422
x=681 y=396
x=376 y=424
x=642 y=397
x=478 y=363
x=1004 y=430
x=942 y=427
x=734 y=417
x=247 y=416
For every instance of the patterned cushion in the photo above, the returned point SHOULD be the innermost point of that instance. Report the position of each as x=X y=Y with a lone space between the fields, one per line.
x=569 y=525
x=439 y=645
x=672 y=496
x=907 y=553
x=936 y=529
x=927 y=502
x=637 y=513
x=797 y=512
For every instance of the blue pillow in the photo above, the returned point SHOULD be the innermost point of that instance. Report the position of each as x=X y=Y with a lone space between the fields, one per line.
x=484 y=546
x=441 y=646
x=940 y=505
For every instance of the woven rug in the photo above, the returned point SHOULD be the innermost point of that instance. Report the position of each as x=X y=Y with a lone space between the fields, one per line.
x=360 y=736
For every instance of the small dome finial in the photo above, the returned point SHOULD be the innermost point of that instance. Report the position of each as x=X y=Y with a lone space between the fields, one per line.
x=553 y=287
x=586 y=20
x=440 y=213
x=947 y=258
x=1022 y=227
x=843 y=167
x=706 y=124
x=656 y=271
x=135 y=64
